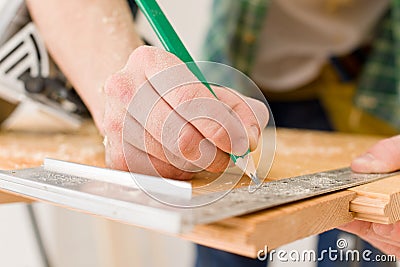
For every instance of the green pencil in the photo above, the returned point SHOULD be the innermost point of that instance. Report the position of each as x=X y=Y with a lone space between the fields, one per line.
x=172 y=43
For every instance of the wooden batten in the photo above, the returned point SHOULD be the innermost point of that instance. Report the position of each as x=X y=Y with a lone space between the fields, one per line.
x=298 y=152
x=378 y=201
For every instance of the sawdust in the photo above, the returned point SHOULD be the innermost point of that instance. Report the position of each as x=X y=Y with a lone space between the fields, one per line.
x=21 y=150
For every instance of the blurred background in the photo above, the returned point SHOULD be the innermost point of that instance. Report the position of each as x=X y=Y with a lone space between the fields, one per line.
x=74 y=239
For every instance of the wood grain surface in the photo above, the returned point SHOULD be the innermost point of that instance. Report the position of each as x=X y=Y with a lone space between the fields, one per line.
x=23 y=150
x=298 y=152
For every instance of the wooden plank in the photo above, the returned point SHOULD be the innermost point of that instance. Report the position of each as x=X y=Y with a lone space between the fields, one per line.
x=378 y=201
x=298 y=152
x=24 y=150
x=6 y=197
x=246 y=235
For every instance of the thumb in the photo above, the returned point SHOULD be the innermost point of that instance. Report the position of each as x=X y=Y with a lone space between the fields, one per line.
x=384 y=156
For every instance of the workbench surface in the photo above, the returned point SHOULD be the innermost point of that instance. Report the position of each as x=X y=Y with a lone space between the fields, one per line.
x=298 y=152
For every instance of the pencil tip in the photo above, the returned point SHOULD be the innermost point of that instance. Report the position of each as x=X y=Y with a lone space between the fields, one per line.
x=255 y=179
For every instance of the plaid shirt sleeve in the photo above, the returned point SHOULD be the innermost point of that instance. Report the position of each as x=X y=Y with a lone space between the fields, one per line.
x=233 y=35
x=378 y=92
x=233 y=40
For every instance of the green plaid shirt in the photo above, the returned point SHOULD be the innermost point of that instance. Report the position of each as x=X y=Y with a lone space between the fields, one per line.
x=233 y=40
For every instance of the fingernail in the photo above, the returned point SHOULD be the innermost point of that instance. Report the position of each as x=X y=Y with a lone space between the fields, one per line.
x=363 y=163
x=367 y=158
x=383 y=229
x=254 y=135
x=368 y=163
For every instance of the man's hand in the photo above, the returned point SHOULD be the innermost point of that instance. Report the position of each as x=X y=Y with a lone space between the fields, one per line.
x=158 y=123
x=382 y=157
x=169 y=133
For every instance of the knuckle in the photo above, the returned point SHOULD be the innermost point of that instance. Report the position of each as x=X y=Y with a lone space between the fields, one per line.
x=142 y=54
x=230 y=136
x=218 y=134
x=187 y=143
x=184 y=94
x=164 y=59
x=191 y=93
x=119 y=85
x=122 y=84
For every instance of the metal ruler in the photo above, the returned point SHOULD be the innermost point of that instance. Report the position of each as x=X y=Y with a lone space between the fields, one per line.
x=131 y=205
